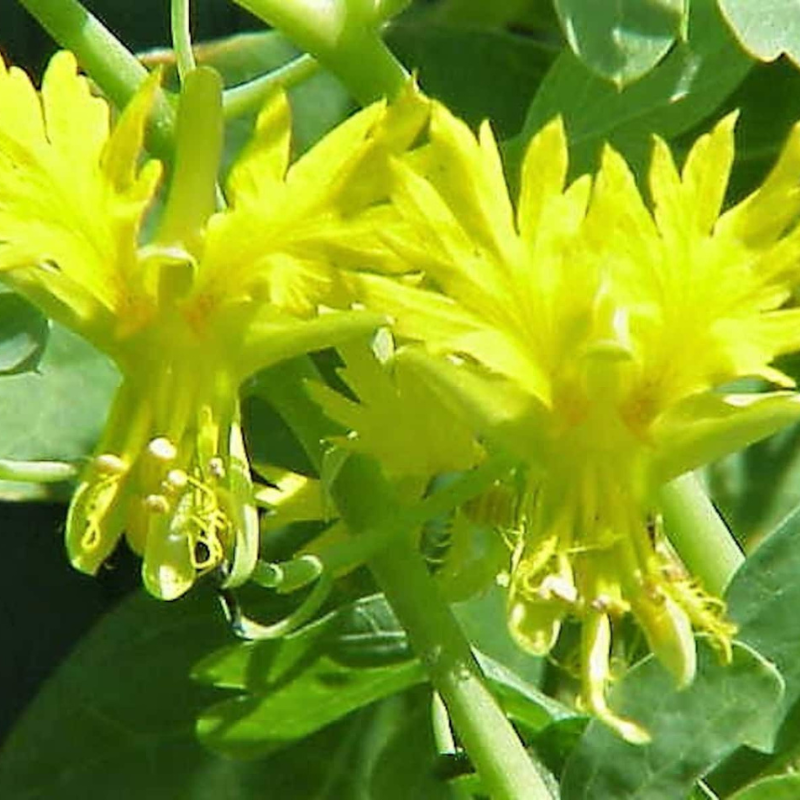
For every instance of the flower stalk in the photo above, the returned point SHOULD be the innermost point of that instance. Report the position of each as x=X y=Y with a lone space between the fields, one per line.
x=182 y=37
x=344 y=37
x=699 y=534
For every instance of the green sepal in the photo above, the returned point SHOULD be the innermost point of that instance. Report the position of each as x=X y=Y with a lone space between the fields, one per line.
x=708 y=426
x=275 y=336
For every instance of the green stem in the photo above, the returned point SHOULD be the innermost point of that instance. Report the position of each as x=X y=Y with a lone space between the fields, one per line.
x=182 y=37
x=367 y=504
x=248 y=96
x=343 y=36
x=505 y=769
x=699 y=534
x=110 y=64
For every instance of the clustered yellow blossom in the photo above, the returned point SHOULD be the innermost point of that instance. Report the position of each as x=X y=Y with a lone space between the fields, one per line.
x=583 y=332
x=214 y=294
x=591 y=336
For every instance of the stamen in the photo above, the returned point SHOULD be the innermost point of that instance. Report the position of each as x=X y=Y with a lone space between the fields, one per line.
x=156 y=504
x=176 y=480
x=162 y=449
x=557 y=586
x=109 y=464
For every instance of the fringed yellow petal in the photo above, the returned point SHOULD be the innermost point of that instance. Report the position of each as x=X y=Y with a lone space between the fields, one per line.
x=765 y=214
x=671 y=213
x=20 y=108
x=300 y=223
x=335 y=155
x=71 y=205
x=77 y=122
x=414 y=313
x=705 y=174
x=273 y=336
x=544 y=172
x=257 y=176
x=480 y=205
x=495 y=408
x=398 y=418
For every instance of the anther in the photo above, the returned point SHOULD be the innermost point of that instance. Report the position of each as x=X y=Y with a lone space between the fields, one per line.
x=556 y=586
x=600 y=604
x=216 y=467
x=655 y=593
x=162 y=449
x=176 y=479
x=109 y=464
x=156 y=503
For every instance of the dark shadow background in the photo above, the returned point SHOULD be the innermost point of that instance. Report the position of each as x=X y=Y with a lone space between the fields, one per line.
x=45 y=605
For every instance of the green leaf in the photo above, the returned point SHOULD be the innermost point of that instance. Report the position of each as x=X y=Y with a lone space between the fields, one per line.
x=523 y=702
x=766 y=29
x=480 y=14
x=478 y=74
x=684 y=89
x=57 y=412
x=364 y=633
x=692 y=729
x=624 y=40
x=250 y=726
x=116 y=718
x=326 y=670
x=369 y=635
x=23 y=334
x=763 y=599
x=776 y=787
x=307 y=680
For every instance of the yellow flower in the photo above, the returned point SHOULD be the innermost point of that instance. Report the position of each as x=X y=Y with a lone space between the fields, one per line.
x=397 y=419
x=212 y=297
x=592 y=338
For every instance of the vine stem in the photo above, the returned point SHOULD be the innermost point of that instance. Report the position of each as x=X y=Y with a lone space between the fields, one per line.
x=367 y=503
x=110 y=64
x=248 y=96
x=343 y=35
x=182 y=37
x=699 y=534
x=505 y=769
